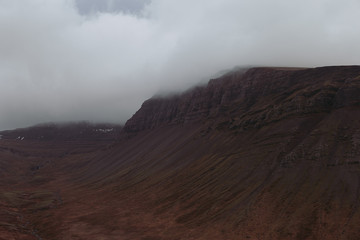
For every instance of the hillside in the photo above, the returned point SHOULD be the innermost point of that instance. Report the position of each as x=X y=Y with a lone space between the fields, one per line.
x=65 y=132
x=266 y=153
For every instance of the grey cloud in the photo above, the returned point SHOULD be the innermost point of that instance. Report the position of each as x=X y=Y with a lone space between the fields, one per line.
x=88 y=7
x=57 y=64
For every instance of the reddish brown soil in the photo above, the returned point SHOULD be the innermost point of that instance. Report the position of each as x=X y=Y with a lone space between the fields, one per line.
x=269 y=154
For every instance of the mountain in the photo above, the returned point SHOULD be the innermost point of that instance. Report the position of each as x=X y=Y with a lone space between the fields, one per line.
x=263 y=153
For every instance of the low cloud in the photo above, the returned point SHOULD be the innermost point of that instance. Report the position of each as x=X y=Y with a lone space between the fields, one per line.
x=64 y=60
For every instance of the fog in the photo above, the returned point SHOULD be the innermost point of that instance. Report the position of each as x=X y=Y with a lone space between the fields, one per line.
x=97 y=60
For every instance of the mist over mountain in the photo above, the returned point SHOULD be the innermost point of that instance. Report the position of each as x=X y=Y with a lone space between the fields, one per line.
x=186 y=120
x=74 y=60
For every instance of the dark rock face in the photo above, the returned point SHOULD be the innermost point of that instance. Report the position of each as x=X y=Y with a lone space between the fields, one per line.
x=254 y=98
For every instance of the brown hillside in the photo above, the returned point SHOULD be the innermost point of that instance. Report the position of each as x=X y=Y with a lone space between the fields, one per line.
x=270 y=153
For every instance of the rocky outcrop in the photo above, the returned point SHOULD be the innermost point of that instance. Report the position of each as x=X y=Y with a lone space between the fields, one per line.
x=254 y=98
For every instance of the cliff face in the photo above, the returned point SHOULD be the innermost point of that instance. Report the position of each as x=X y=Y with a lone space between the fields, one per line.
x=254 y=98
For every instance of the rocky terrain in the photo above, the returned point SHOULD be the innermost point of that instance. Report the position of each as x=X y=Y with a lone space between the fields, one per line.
x=263 y=153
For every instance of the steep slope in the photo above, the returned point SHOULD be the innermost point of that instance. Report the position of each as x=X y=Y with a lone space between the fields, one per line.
x=267 y=153
x=256 y=97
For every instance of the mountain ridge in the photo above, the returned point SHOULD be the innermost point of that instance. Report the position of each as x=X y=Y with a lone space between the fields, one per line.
x=221 y=96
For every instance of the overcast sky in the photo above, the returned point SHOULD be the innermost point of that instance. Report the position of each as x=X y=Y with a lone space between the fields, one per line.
x=98 y=60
